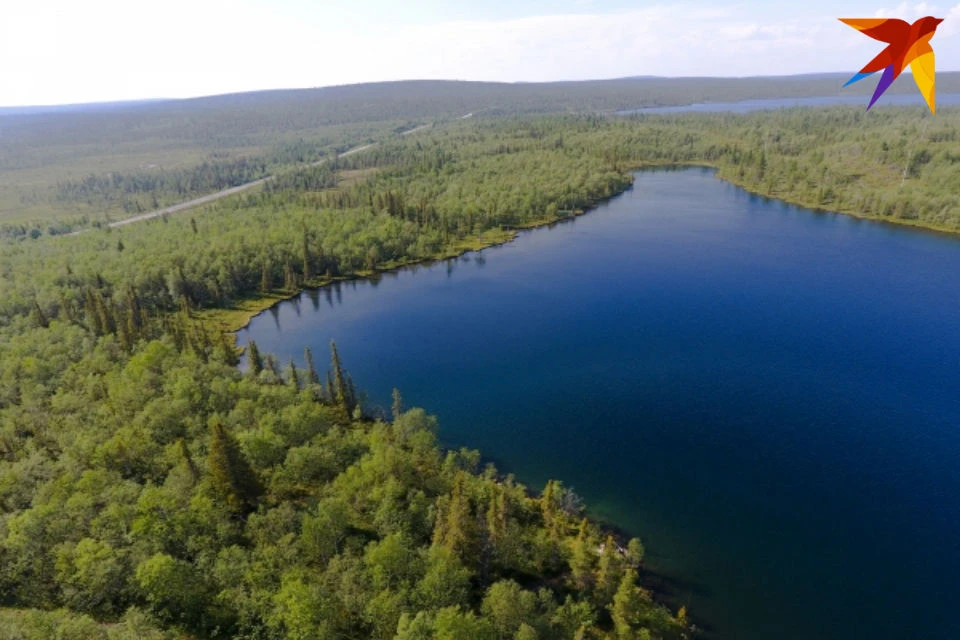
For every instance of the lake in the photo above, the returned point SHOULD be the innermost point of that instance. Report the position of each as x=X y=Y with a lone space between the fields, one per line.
x=745 y=106
x=767 y=395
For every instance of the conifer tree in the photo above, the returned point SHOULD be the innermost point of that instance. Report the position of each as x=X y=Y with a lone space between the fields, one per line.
x=609 y=571
x=328 y=389
x=342 y=391
x=231 y=475
x=289 y=278
x=553 y=519
x=135 y=319
x=94 y=320
x=294 y=375
x=629 y=606
x=126 y=340
x=104 y=313
x=583 y=558
x=312 y=376
x=253 y=357
x=454 y=529
x=227 y=351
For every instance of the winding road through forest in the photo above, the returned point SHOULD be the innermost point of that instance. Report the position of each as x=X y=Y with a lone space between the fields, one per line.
x=213 y=197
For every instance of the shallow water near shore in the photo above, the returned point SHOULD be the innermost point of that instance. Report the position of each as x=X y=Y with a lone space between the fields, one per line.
x=767 y=395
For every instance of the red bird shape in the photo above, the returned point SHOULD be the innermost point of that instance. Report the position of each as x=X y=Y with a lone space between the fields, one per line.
x=906 y=44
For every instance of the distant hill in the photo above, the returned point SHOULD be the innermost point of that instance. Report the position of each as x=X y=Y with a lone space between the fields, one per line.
x=83 y=162
x=425 y=98
x=433 y=98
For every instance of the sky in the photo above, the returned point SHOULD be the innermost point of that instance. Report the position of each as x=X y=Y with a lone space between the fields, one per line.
x=75 y=51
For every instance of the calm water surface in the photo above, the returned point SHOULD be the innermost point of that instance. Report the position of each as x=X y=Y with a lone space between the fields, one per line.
x=767 y=395
x=744 y=106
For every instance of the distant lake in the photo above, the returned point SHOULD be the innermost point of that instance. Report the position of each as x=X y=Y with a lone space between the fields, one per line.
x=768 y=396
x=744 y=106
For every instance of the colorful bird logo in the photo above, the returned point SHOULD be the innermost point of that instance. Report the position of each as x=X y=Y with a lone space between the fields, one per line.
x=906 y=44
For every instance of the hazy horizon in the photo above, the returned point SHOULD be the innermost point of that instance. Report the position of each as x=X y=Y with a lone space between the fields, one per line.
x=58 y=52
x=158 y=99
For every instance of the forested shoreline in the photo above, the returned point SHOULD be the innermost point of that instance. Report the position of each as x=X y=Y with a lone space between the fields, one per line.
x=73 y=168
x=149 y=489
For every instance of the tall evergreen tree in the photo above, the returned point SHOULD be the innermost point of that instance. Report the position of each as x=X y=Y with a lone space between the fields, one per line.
x=294 y=375
x=454 y=529
x=629 y=607
x=312 y=376
x=343 y=393
x=228 y=351
x=254 y=358
x=231 y=475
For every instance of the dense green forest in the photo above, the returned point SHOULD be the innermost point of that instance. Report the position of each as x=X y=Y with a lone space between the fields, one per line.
x=164 y=490
x=424 y=196
x=149 y=489
x=60 y=170
x=898 y=165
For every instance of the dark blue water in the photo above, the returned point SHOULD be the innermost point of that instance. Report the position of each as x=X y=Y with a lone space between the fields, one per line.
x=767 y=395
x=744 y=106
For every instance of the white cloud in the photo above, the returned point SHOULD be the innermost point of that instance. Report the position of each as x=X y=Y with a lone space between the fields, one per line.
x=908 y=11
x=913 y=11
x=64 y=51
x=951 y=23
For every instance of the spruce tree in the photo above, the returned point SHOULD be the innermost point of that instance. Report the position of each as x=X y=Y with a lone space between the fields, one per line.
x=228 y=352
x=294 y=375
x=454 y=528
x=312 y=374
x=94 y=320
x=231 y=475
x=253 y=357
x=343 y=393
